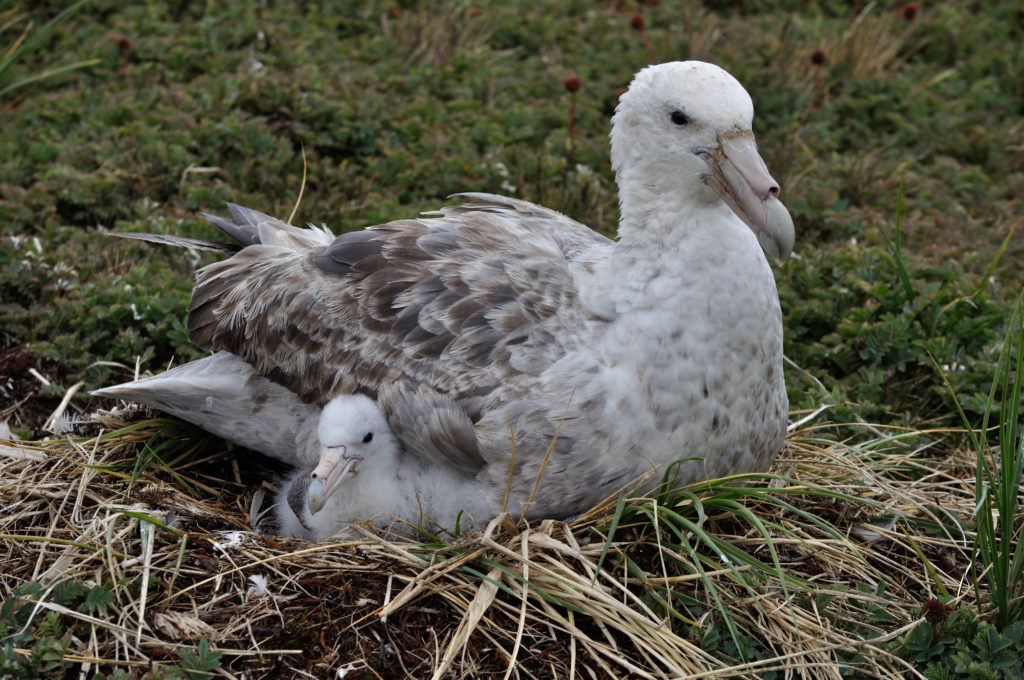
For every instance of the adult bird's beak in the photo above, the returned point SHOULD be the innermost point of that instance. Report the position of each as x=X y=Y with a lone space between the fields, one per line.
x=335 y=465
x=741 y=178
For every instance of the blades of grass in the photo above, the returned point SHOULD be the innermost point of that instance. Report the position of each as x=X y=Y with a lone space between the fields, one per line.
x=811 y=517
x=727 y=499
x=149 y=519
x=742 y=511
x=621 y=507
x=152 y=423
x=616 y=518
x=544 y=595
x=481 y=602
x=796 y=488
x=733 y=557
x=148 y=455
x=720 y=606
x=972 y=435
x=49 y=73
x=1011 y=467
x=30 y=43
x=302 y=185
x=996 y=552
x=176 y=566
x=987 y=276
x=659 y=591
x=694 y=566
x=896 y=247
x=8 y=18
x=729 y=555
x=929 y=567
x=982 y=558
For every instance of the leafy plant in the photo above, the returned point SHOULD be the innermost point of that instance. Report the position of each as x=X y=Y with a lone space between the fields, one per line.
x=23 y=624
x=116 y=674
x=197 y=664
x=961 y=645
x=46 y=634
x=867 y=324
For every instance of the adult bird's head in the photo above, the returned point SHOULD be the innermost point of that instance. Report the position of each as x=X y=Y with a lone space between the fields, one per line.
x=684 y=129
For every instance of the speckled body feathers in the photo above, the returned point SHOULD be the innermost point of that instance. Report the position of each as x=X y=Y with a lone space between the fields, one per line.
x=507 y=344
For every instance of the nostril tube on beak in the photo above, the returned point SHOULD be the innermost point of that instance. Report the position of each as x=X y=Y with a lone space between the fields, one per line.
x=774 y=190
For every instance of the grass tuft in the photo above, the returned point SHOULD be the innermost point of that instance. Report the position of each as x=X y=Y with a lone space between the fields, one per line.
x=999 y=510
x=826 y=562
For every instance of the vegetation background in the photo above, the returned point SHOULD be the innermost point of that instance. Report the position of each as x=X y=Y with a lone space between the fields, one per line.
x=896 y=131
x=397 y=105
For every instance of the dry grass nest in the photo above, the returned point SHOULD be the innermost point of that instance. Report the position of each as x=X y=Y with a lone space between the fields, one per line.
x=860 y=537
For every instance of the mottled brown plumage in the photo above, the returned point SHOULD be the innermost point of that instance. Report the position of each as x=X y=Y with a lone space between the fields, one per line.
x=462 y=303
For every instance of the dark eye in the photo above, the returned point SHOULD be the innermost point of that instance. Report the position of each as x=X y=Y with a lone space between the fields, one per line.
x=368 y=438
x=679 y=118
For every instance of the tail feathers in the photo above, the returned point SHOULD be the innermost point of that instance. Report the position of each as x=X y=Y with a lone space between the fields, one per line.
x=244 y=227
x=181 y=242
x=247 y=228
x=226 y=397
x=251 y=227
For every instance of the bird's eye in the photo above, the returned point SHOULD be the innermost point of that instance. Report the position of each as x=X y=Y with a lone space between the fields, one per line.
x=679 y=118
x=368 y=438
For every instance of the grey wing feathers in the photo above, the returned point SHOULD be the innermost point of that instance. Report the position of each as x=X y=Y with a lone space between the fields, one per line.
x=432 y=424
x=457 y=302
x=567 y=232
x=246 y=228
x=250 y=227
x=225 y=396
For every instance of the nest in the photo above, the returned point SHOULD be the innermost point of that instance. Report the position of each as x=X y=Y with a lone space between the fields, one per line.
x=167 y=552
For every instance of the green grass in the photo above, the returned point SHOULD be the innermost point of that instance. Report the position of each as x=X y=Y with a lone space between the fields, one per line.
x=1000 y=473
x=899 y=157
x=21 y=38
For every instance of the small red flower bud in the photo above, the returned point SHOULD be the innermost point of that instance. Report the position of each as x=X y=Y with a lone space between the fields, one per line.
x=936 y=612
x=910 y=11
x=572 y=83
x=818 y=57
x=637 y=22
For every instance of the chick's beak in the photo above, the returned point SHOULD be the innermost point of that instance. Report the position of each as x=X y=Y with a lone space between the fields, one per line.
x=334 y=467
x=741 y=178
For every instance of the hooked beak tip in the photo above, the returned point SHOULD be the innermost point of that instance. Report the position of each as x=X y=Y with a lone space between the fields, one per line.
x=742 y=180
x=315 y=497
x=334 y=468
